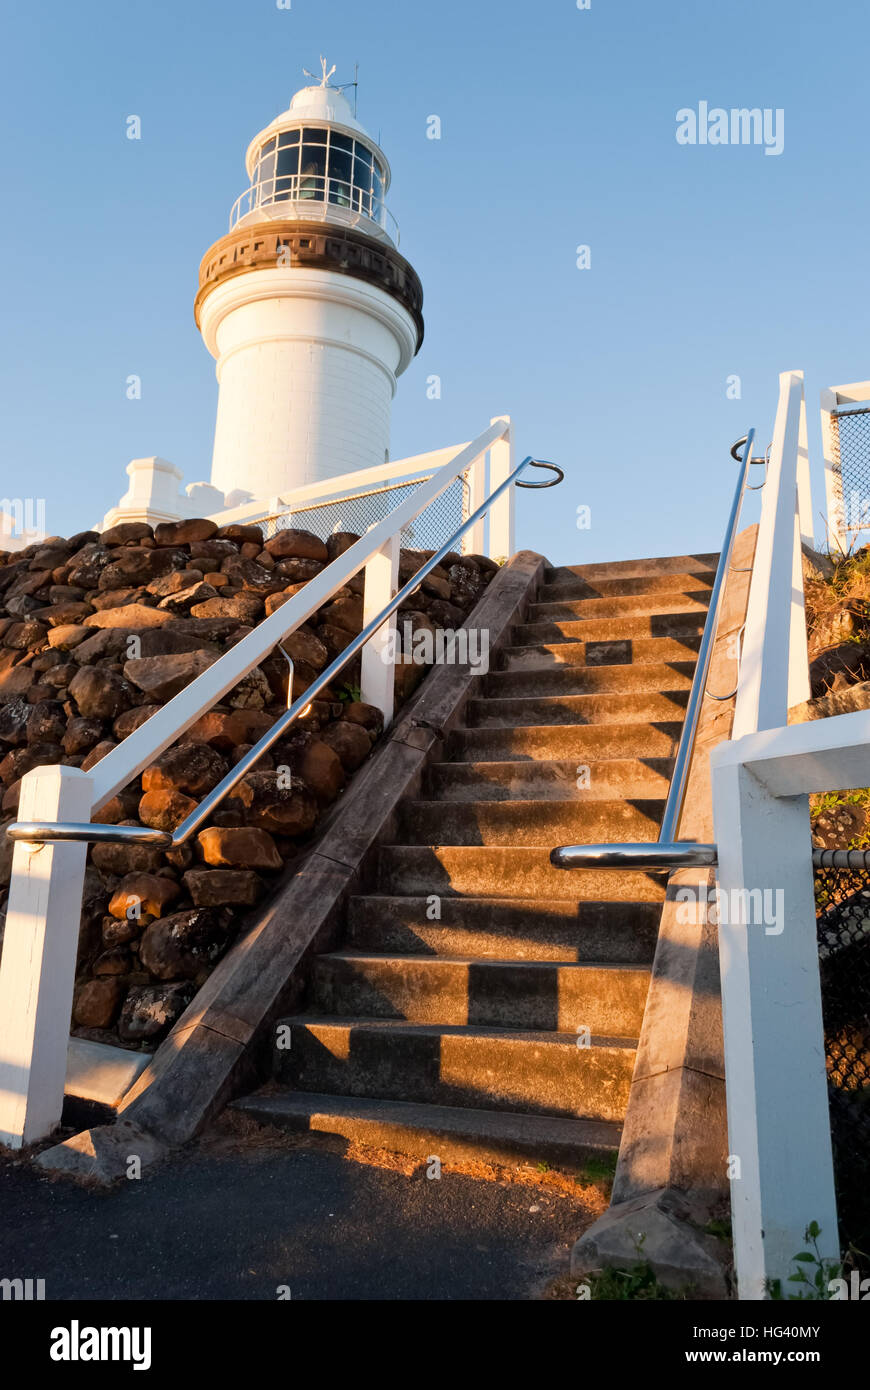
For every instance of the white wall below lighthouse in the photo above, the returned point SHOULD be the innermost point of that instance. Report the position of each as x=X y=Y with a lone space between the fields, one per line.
x=307 y=362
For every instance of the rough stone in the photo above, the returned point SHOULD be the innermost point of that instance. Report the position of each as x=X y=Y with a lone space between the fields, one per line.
x=246 y=606
x=129 y=615
x=150 y=1010
x=100 y=693
x=97 y=1003
x=161 y=677
x=350 y=741
x=294 y=544
x=223 y=887
x=81 y=734
x=183 y=945
x=239 y=847
x=143 y=892
x=192 y=768
x=184 y=532
x=123 y=860
x=165 y=810
x=283 y=810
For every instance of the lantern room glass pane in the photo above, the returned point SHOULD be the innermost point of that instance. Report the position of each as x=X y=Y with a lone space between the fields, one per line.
x=314 y=136
x=268 y=148
x=340 y=142
x=288 y=162
x=288 y=137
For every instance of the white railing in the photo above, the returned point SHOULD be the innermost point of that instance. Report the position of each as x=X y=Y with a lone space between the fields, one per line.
x=316 y=198
x=780 y=1160
x=38 y=963
x=489 y=469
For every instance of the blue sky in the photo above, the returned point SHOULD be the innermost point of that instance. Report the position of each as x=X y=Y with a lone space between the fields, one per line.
x=558 y=129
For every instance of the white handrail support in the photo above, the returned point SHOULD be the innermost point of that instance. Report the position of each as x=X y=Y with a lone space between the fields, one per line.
x=780 y=1163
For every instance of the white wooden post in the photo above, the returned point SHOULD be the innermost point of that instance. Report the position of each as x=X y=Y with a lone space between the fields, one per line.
x=378 y=678
x=833 y=477
x=804 y=487
x=501 y=516
x=779 y=1136
x=473 y=541
x=37 y=969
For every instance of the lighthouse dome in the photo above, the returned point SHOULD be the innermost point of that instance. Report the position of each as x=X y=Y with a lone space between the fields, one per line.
x=316 y=162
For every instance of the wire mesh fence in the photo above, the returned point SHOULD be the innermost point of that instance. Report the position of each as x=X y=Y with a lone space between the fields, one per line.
x=843 y=922
x=850 y=443
x=356 y=512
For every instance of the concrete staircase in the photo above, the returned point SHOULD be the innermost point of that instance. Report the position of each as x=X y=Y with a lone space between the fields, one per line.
x=454 y=1020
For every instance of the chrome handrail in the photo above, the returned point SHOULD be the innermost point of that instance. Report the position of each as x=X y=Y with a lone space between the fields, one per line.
x=667 y=852
x=40 y=832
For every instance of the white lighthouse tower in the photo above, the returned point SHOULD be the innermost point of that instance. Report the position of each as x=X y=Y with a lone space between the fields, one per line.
x=306 y=305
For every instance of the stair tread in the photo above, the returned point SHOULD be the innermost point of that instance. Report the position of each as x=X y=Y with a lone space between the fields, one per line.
x=273 y=1102
x=435 y=962
x=532 y=1037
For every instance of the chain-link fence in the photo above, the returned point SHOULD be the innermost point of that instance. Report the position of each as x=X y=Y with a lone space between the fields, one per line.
x=356 y=512
x=850 y=450
x=843 y=906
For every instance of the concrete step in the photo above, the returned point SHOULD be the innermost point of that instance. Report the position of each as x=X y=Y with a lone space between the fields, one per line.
x=589 y=680
x=527 y=822
x=632 y=569
x=568 y=585
x=685 y=628
x=452 y=1133
x=585 y=742
x=663 y=706
x=484 y=1068
x=634 y=605
x=641 y=651
x=550 y=780
x=560 y=929
x=540 y=996
x=501 y=872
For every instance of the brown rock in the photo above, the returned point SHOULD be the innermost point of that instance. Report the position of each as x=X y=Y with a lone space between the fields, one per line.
x=161 y=677
x=247 y=574
x=239 y=847
x=298 y=571
x=125 y=532
x=14 y=718
x=120 y=932
x=174 y=582
x=252 y=692
x=223 y=887
x=118 y=598
x=68 y=636
x=315 y=762
x=81 y=734
x=129 y=615
x=216 y=579
x=165 y=810
x=128 y=722
x=195 y=596
x=185 y=532
x=150 y=1011
x=466 y=585
x=47 y=722
x=100 y=693
x=97 y=753
x=192 y=768
x=270 y=804
x=292 y=544
x=64 y=614
x=139 y=566
x=369 y=716
x=848 y=659
x=108 y=643
x=446 y=615
x=141 y=892
x=226 y=729
x=339 y=542
x=97 y=1003
x=246 y=606
x=350 y=741
x=186 y=944
x=240 y=533
x=212 y=550
x=121 y=860
x=27 y=636
x=853 y=697
x=114 y=961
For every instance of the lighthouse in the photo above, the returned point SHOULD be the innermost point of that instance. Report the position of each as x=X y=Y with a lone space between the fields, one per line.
x=306 y=304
